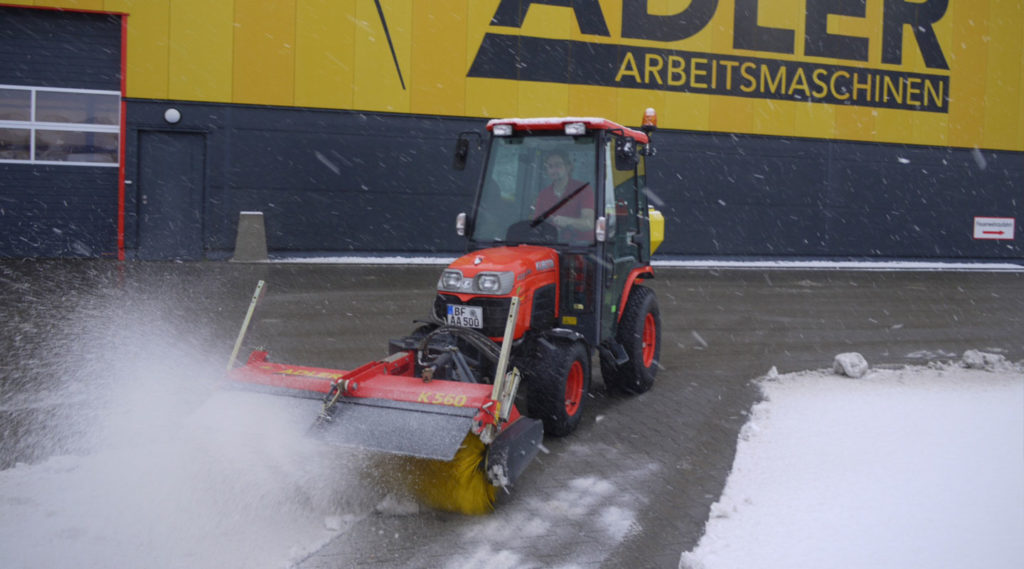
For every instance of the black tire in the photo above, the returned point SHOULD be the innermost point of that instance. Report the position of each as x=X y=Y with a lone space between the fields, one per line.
x=639 y=334
x=559 y=383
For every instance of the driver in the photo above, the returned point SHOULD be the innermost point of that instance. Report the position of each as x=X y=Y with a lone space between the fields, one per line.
x=575 y=218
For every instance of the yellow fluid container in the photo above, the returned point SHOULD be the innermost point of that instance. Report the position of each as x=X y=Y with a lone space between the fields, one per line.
x=657 y=228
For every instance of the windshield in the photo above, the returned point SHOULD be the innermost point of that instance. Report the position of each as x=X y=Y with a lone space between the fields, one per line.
x=538 y=189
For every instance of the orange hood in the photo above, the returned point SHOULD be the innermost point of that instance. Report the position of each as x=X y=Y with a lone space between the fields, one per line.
x=522 y=260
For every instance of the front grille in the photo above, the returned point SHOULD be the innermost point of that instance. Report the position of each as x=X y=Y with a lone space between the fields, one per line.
x=495 y=311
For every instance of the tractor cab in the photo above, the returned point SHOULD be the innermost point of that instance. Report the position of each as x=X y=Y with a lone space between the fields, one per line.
x=575 y=186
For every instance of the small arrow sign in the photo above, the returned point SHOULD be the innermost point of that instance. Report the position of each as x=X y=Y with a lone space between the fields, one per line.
x=994 y=227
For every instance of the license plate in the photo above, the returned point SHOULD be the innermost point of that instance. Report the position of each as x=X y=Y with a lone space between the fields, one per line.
x=465 y=316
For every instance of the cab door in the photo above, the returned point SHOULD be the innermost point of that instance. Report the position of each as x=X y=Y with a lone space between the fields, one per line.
x=622 y=252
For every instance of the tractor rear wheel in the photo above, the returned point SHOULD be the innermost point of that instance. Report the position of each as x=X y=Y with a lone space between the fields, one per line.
x=640 y=334
x=559 y=384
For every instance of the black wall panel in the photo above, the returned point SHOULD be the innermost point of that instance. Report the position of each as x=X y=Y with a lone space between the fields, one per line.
x=326 y=181
x=57 y=211
x=339 y=182
x=51 y=48
x=740 y=196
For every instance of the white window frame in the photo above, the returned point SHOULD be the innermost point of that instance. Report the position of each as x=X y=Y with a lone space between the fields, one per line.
x=32 y=126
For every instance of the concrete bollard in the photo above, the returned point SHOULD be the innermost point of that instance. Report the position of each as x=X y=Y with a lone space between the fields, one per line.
x=251 y=241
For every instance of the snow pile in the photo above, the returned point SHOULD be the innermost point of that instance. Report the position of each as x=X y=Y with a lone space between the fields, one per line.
x=975 y=359
x=850 y=364
x=916 y=467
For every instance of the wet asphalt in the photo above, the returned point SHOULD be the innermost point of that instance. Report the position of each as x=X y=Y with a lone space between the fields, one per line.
x=631 y=488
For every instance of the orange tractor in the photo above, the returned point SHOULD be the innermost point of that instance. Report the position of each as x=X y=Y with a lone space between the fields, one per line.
x=560 y=241
x=561 y=220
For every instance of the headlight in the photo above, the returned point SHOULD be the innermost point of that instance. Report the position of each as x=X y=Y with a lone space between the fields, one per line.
x=495 y=283
x=450 y=280
x=488 y=283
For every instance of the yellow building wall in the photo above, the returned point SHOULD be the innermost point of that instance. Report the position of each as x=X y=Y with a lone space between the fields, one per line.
x=335 y=54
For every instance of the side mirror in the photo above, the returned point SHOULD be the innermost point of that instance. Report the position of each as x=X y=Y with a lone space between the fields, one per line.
x=462 y=148
x=601 y=229
x=461 y=153
x=625 y=153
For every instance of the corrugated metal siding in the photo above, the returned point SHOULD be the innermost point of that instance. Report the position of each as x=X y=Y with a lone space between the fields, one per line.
x=764 y=196
x=340 y=181
x=50 y=48
x=57 y=211
x=327 y=181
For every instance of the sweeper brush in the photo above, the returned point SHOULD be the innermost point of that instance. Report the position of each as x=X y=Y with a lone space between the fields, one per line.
x=458 y=485
x=445 y=397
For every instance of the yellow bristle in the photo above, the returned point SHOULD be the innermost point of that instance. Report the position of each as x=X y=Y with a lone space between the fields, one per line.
x=459 y=485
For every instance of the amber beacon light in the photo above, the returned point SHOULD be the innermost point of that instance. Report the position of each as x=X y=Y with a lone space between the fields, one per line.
x=650 y=123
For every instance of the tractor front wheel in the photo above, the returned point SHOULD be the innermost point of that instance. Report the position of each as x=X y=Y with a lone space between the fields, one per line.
x=559 y=383
x=640 y=334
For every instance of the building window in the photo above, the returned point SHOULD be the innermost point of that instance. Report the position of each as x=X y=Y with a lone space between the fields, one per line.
x=43 y=125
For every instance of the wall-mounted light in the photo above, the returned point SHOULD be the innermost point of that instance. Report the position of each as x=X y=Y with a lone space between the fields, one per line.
x=172 y=116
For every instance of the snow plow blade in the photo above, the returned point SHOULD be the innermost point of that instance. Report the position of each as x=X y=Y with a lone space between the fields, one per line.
x=379 y=406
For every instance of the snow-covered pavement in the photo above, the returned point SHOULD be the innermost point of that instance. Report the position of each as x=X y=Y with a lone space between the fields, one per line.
x=911 y=467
